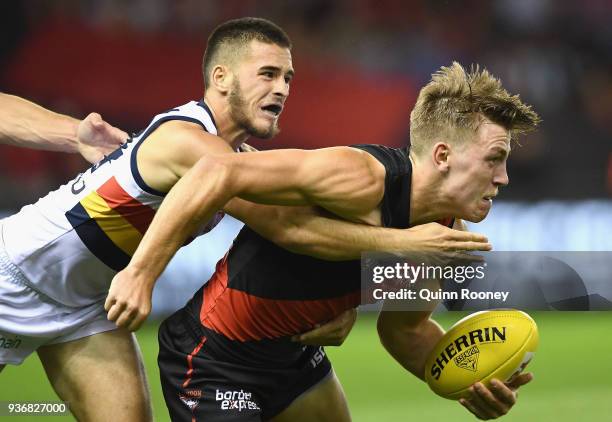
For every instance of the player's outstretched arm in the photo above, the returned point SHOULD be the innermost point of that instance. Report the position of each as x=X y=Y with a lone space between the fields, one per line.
x=311 y=231
x=25 y=124
x=346 y=181
x=411 y=336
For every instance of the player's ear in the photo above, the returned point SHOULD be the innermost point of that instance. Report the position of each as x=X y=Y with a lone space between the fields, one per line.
x=221 y=78
x=440 y=156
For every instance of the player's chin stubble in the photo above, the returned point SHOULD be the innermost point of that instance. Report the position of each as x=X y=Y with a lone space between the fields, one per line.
x=238 y=114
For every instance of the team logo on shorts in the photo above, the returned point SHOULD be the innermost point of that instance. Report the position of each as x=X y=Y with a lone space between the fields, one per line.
x=236 y=400
x=191 y=398
x=468 y=359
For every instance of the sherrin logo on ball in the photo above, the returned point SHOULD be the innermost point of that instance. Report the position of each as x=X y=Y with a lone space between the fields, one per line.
x=482 y=346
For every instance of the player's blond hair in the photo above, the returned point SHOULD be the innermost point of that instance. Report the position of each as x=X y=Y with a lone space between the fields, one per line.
x=453 y=104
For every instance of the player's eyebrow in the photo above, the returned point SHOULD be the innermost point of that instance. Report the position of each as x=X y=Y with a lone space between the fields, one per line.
x=276 y=69
x=504 y=151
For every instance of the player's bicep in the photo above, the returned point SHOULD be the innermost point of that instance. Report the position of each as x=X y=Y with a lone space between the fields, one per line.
x=343 y=180
x=352 y=182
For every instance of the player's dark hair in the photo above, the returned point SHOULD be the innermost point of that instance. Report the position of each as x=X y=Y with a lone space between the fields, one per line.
x=237 y=33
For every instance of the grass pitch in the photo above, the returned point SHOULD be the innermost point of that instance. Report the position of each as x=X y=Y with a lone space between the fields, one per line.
x=572 y=368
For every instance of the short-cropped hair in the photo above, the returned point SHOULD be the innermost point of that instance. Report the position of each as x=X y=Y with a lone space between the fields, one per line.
x=232 y=36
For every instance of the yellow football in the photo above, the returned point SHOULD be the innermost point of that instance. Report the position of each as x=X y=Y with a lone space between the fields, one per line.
x=482 y=346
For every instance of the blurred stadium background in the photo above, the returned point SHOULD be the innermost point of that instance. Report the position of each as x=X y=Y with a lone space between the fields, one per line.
x=359 y=65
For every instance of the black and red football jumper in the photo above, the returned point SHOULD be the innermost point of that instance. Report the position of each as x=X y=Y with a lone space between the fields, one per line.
x=227 y=355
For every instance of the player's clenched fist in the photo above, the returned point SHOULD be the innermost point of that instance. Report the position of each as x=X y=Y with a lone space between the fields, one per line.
x=129 y=300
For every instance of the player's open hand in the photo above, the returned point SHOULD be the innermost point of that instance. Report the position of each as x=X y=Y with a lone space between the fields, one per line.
x=332 y=333
x=491 y=403
x=434 y=237
x=129 y=300
x=96 y=138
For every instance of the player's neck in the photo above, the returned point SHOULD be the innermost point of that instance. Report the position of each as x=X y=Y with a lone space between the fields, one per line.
x=426 y=203
x=226 y=126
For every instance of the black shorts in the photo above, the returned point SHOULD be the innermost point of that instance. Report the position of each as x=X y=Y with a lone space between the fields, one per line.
x=203 y=378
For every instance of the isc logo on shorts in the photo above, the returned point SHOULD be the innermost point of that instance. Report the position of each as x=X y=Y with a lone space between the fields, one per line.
x=235 y=400
x=317 y=357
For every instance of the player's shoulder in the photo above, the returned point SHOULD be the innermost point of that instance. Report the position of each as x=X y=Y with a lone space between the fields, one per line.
x=349 y=159
x=396 y=161
x=196 y=112
x=183 y=129
x=185 y=137
x=172 y=149
x=384 y=153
